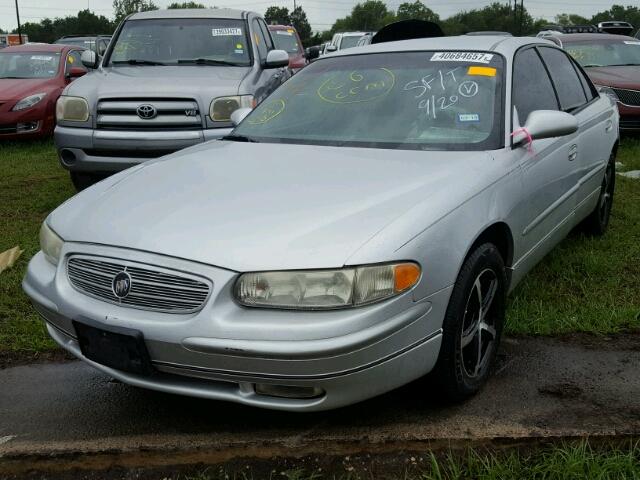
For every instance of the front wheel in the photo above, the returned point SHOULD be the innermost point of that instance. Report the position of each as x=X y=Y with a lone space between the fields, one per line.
x=598 y=220
x=473 y=325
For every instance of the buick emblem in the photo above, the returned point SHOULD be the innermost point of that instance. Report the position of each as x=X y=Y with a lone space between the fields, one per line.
x=121 y=285
x=147 y=111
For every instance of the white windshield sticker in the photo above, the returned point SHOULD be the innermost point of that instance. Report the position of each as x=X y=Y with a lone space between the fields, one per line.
x=44 y=58
x=632 y=42
x=282 y=32
x=468 y=117
x=226 y=32
x=462 y=57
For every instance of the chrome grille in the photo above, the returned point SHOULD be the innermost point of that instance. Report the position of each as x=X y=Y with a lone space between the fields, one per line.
x=152 y=288
x=172 y=114
x=628 y=97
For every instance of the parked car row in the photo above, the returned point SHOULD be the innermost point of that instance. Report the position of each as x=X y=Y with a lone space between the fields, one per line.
x=358 y=228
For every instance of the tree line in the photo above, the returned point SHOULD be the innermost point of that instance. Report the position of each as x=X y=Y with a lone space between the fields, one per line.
x=369 y=15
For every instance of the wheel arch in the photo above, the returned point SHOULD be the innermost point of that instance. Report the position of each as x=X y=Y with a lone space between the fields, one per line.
x=500 y=235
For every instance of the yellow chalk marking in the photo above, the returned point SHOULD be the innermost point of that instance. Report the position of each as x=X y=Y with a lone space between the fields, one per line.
x=482 y=71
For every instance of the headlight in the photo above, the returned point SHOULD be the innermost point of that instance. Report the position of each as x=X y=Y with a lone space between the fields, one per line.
x=72 y=109
x=221 y=108
x=28 y=102
x=50 y=243
x=608 y=91
x=326 y=289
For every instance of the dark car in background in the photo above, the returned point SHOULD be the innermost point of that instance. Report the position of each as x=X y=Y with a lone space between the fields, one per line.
x=613 y=64
x=285 y=37
x=97 y=43
x=32 y=78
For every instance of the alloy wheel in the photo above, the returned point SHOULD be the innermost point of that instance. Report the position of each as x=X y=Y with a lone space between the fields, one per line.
x=606 y=194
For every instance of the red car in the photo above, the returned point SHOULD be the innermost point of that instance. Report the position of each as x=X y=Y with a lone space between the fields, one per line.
x=32 y=78
x=286 y=38
x=612 y=62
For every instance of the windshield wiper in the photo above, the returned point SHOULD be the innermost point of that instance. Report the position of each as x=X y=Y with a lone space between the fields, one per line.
x=134 y=61
x=239 y=138
x=207 y=61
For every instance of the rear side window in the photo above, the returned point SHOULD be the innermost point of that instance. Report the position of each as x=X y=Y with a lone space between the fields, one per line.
x=532 y=88
x=258 y=38
x=589 y=89
x=565 y=78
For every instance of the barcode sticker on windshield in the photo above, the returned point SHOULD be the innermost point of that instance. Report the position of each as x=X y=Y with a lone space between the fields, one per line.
x=226 y=32
x=282 y=32
x=462 y=57
x=44 y=58
x=632 y=42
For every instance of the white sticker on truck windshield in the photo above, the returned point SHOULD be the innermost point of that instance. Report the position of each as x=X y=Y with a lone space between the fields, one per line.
x=632 y=42
x=475 y=57
x=226 y=32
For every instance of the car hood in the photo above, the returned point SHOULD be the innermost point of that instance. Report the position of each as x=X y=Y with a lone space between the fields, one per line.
x=622 y=77
x=18 y=88
x=163 y=81
x=245 y=206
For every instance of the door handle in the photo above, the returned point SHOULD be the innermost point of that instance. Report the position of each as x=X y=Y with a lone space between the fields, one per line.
x=609 y=126
x=573 y=152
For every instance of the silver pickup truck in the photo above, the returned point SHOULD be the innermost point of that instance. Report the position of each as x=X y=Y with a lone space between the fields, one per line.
x=169 y=79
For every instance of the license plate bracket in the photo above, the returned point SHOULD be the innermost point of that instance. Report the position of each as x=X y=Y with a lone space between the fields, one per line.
x=119 y=348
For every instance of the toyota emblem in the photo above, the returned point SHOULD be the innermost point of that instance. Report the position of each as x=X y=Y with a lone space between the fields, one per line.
x=121 y=285
x=146 y=111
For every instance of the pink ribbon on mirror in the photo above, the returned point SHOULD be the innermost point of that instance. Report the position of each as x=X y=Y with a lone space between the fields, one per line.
x=528 y=137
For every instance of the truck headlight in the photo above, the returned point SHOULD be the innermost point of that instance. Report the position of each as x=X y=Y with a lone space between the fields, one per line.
x=72 y=109
x=326 y=289
x=28 y=102
x=50 y=243
x=221 y=108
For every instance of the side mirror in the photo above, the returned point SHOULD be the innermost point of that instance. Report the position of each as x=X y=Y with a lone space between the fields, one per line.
x=312 y=53
x=238 y=115
x=76 y=72
x=89 y=59
x=331 y=48
x=547 y=124
x=277 y=59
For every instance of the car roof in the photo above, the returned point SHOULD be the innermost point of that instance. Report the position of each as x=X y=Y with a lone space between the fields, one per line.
x=499 y=44
x=582 y=37
x=53 y=48
x=190 y=13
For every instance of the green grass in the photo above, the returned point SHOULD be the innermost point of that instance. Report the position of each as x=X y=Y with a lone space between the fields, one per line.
x=584 y=285
x=571 y=461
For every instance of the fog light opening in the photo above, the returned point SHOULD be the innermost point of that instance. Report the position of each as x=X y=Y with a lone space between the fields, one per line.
x=68 y=157
x=288 y=391
x=26 y=127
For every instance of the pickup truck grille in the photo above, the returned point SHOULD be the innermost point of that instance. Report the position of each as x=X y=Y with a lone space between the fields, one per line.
x=151 y=288
x=628 y=97
x=165 y=114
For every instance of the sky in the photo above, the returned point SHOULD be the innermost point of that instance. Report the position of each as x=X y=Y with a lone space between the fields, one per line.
x=321 y=13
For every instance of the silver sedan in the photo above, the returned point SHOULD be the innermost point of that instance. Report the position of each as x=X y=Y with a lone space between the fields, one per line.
x=357 y=230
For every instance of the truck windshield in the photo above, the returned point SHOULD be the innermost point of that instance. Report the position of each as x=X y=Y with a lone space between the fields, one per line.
x=286 y=40
x=182 y=41
x=29 y=65
x=405 y=100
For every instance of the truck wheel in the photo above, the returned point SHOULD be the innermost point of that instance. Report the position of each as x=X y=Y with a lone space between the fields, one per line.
x=597 y=222
x=473 y=325
x=82 y=180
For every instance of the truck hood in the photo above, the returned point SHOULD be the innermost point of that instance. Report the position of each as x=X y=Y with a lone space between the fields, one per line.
x=160 y=81
x=18 y=88
x=622 y=77
x=245 y=206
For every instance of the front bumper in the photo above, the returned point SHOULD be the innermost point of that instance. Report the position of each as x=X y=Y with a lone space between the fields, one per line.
x=33 y=122
x=629 y=118
x=107 y=151
x=224 y=350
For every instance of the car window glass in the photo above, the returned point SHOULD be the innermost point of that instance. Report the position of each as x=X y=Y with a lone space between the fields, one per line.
x=102 y=47
x=259 y=39
x=73 y=60
x=532 y=88
x=564 y=77
x=266 y=35
x=588 y=87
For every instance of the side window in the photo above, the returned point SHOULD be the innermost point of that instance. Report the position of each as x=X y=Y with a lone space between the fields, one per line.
x=102 y=47
x=589 y=90
x=266 y=34
x=564 y=76
x=258 y=38
x=73 y=60
x=532 y=88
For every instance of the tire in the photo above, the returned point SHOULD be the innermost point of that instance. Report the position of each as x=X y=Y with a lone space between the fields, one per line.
x=597 y=222
x=470 y=341
x=82 y=180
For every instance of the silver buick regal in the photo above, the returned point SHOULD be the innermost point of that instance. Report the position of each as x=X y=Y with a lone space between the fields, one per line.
x=357 y=230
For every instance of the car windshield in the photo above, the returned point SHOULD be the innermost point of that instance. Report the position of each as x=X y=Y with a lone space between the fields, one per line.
x=182 y=41
x=349 y=41
x=407 y=100
x=286 y=40
x=29 y=64
x=605 y=54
